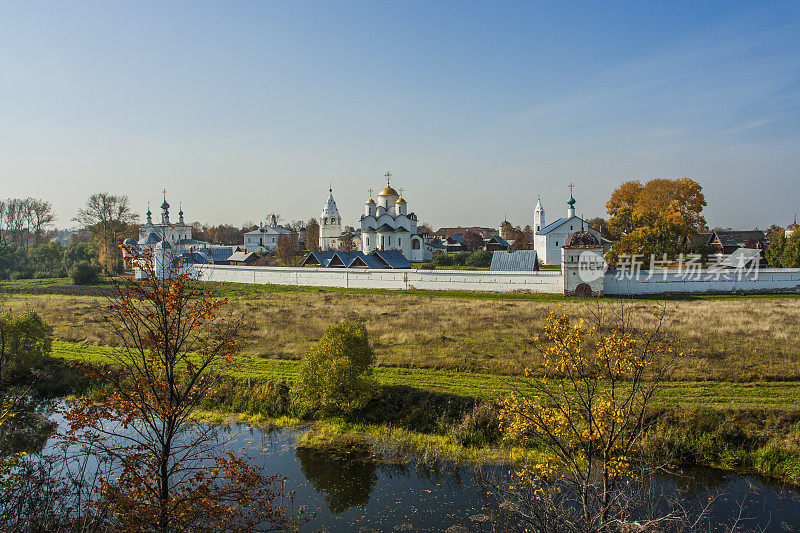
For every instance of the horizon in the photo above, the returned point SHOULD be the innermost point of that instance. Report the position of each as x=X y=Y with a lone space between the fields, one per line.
x=245 y=109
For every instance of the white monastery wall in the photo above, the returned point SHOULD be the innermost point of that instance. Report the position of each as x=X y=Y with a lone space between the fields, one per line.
x=445 y=280
x=768 y=280
x=765 y=280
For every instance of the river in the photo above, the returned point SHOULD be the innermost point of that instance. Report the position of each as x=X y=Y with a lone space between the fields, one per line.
x=368 y=495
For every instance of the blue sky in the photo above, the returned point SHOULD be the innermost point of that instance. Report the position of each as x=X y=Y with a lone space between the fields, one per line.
x=245 y=108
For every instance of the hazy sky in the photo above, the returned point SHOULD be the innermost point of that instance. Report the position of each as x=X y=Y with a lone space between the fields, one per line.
x=244 y=108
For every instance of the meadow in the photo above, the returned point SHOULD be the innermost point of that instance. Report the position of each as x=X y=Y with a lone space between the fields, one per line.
x=722 y=338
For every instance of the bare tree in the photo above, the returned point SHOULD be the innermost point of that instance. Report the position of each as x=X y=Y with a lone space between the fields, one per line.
x=107 y=216
x=40 y=215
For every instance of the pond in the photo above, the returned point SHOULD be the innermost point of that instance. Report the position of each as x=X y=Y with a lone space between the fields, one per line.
x=366 y=495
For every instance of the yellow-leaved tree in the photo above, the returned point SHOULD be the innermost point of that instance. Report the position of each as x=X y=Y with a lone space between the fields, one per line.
x=655 y=218
x=582 y=406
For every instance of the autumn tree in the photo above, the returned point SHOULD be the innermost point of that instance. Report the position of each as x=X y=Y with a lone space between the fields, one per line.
x=424 y=228
x=336 y=375
x=166 y=475
x=285 y=252
x=582 y=405
x=790 y=256
x=312 y=235
x=472 y=241
x=347 y=243
x=107 y=216
x=655 y=218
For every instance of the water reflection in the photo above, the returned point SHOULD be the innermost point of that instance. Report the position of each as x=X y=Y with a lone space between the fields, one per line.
x=352 y=491
x=343 y=484
x=29 y=429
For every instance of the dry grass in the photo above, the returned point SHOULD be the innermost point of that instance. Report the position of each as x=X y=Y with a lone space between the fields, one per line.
x=728 y=339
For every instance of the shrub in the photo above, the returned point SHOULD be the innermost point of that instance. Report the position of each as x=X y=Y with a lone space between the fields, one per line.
x=442 y=259
x=336 y=374
x=426 y=266
x=460 y=258
x=479 y=259
x=84 y=273
x=25 y=340
x=480 y=426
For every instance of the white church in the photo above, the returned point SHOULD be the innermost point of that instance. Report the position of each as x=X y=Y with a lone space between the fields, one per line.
x=385 y=225
x=548 y=239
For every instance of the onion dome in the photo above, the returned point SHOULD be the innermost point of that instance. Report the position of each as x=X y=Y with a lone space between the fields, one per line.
x=582 y=239
x=400 y=200
x=388 y=191
x=571 y=201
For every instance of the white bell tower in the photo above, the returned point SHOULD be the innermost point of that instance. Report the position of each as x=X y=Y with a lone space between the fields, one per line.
x=330 y=224
x=538 y=216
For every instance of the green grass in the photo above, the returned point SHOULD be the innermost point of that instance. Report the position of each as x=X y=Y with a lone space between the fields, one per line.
x=719 y=395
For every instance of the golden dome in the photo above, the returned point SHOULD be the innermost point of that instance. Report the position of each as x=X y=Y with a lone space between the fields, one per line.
x=370 y=201
x=400 y=201
x=388 y=191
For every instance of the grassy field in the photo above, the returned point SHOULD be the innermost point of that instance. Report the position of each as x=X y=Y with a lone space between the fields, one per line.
x=723 y=338
x=677 y=394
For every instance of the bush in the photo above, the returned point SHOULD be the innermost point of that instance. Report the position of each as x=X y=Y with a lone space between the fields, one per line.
x=460 y=258
x=26 y=341
x=78 y=252
x=84 y=273
x=426 y=266
x=336 y=374
x=479 y=259
x=480 y=426
x=442 y=259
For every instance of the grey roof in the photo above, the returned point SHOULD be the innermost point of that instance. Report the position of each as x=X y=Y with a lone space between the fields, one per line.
x=152 y=238
x=192 y=258
x=499 y=240
x=392 y=258
x=739 y=238
x=553 y=225
x=368 y=261
x=514 y=261
x=455 y=238
x=241 y=256
x=740 y=258
x=163 y=245
x=184 y=242
x=219 y=253
x=270 y=230
x=318 y=258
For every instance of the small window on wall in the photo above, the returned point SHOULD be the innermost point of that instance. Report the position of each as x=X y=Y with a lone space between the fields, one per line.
x=556 y=243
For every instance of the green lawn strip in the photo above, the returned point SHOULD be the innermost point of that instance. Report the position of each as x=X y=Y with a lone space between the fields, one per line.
x=777 y=395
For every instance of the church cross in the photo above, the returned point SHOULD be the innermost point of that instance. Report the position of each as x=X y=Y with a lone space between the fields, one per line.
x=400 y=190
x=370 y=192
x=388 y=177
x=570 y=188
x=165 y=194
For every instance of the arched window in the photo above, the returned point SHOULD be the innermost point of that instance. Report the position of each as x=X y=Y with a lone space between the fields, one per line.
x=415 y=244
x=325 y=221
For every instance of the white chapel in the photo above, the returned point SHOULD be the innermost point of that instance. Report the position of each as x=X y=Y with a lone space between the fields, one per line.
x=548 y=239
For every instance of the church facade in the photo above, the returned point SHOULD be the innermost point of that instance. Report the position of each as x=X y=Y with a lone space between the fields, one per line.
x=548 y=239
x=388 y=225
